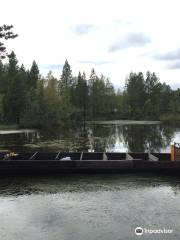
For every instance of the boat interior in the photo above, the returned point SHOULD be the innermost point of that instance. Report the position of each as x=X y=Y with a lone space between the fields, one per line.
x=84 y=156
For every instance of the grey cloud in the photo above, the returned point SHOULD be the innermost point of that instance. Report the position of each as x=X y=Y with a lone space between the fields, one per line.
x=121 y=22
x=175 y=86
x=175 y=65
x=96 y=62
x=53 y=66
x=174 y=55
x=130 y=40
x=82 y=28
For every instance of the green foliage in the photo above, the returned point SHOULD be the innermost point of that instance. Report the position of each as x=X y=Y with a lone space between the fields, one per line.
x=1 y=107
x=135 y=95
x=11 y=94
x=146 y=97
x=80 y=96
x=101 y=97
x=66 y=80
x=52 y=102
x=28 y=100
x=8 y=126
x=33 y=75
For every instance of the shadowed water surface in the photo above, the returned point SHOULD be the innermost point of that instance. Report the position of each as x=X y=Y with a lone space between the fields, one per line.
x=88 y=206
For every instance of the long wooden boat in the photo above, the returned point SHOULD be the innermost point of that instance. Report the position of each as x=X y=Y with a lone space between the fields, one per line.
x=59 y=162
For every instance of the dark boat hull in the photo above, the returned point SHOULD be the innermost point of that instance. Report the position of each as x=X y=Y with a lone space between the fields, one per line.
x=88 y=162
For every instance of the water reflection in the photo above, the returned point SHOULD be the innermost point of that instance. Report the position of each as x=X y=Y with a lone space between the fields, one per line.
x=96 y=137
x=143 y=138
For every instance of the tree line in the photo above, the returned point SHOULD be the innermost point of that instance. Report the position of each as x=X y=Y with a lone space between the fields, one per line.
x=29 y=99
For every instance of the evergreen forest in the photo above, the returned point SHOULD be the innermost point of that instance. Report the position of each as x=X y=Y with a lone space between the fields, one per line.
x=29 y=99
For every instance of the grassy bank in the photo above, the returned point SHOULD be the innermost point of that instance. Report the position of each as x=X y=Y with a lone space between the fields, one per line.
x=8 y=126
x=170 y=118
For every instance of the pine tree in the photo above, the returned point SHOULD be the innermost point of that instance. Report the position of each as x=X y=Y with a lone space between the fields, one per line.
x=5 y=33
x=33 y=75
x=2 y=78
x=13 y=65
x=135 y=95
x=66 y=80
x=92 y=93
x=80 y=95
x=11 y=77
x=52 y=101
x=153 y=94
x=16 y=97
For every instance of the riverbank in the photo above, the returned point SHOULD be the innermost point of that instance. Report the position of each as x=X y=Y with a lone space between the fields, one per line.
x=9 y=127
x=170 y=118
x=164 y=119
x=13 y=131
x=125 y=122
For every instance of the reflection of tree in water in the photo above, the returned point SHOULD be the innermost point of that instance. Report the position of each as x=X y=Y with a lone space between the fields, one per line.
x=140 y=138
x=68 y=137
x=63 y=132
x=102 y=137
x=96 y=137
x=93 y=137
x=13 y=140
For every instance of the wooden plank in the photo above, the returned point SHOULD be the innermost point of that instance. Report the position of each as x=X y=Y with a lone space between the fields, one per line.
x=152 y=157
x=105 y=157
x=128 y=157
x=33 y=156
x=56 y=158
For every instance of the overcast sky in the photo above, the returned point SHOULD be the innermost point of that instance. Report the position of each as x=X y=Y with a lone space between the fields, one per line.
x=113 y=36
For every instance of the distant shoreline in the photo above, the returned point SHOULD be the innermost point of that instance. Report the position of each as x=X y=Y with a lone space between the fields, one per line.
x=126 y=122
x=2 y=132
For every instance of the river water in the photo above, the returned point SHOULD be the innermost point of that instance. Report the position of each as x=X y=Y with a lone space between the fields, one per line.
x=90 y=207
x=116 y=136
